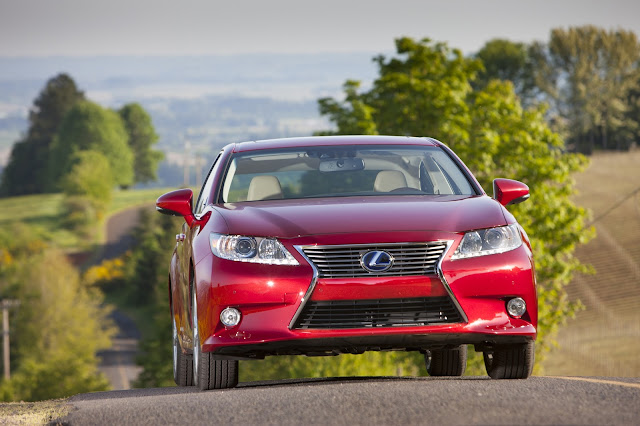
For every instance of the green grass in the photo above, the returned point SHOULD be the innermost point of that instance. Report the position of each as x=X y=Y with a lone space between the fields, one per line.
x=43 y=214
x=124 y=199
x=604 y=339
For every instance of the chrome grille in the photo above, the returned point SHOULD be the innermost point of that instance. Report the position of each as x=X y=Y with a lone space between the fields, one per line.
x=344 y=261
x=378 y=313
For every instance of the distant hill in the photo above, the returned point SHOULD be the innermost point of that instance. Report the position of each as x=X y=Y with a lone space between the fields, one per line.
x=244 y=75
x=604 y=339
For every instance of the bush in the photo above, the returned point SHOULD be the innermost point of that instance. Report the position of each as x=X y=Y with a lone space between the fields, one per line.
x=58 y=328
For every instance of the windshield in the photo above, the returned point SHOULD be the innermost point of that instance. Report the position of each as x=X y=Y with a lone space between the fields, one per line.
x=342 y=172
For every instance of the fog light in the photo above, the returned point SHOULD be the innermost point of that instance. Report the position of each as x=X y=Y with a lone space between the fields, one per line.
x=516 y=307
x=230 y=317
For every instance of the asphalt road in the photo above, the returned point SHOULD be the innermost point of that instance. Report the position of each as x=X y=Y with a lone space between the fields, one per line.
x=372 y=401
x=119 y=236
x=118 y=362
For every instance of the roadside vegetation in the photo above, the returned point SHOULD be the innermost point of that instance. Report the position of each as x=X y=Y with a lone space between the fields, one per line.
x=63 y=178
x=44 y=214
x=59 y=325
x=62 y=320
x=83 y=150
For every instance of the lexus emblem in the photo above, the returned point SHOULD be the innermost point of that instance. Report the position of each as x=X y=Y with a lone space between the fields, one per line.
x=376 y=261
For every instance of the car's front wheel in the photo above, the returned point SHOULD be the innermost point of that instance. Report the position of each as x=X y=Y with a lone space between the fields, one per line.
x=182 y=363
x=209 y=373
x=446 y=362
x=510 y=362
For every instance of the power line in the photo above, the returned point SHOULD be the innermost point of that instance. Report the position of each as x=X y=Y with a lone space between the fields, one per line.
x=614 y=206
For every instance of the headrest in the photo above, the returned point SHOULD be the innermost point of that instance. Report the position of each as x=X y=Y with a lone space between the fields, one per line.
x=264 y=188
x=388 y=180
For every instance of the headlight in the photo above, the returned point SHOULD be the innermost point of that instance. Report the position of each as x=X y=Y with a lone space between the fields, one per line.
x=488 y=241
x=250 y=249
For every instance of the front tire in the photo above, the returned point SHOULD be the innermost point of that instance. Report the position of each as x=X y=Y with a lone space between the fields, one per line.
x=209 y=373
x=447 y=362
x=510 y=362
x=182 y=363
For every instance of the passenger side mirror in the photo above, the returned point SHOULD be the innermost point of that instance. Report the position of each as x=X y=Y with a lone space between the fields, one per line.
x=507 y=191
x=177 y=203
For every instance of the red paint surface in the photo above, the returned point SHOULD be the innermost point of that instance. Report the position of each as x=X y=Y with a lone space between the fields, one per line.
x=507 y=191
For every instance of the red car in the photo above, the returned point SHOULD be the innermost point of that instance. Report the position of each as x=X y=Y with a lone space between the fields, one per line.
x=346 y=244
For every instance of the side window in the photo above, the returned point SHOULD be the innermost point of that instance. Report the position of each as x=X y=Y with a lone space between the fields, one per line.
x=205 y=192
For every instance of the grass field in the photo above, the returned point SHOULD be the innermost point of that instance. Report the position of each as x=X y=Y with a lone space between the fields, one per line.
x=131 y=198
x=42 y=213
x=604 y=339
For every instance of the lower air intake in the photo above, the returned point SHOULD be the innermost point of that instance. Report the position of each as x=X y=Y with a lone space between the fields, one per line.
x=378 y=313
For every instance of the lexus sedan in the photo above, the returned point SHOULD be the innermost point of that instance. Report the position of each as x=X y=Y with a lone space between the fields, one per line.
x=346 y=244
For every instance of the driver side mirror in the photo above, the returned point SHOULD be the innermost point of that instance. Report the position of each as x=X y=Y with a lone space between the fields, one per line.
x=177 y=203
x=507 y=191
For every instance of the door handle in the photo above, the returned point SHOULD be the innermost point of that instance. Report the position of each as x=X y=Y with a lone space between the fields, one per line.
x=180 y=237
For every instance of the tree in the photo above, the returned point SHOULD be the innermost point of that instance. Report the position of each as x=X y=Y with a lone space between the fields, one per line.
x=88 y=189
x=354 y=114
x=90 y=177
x=26 y=171
x=89 y=127
x=588 y=75
x=60 y=324
x=631 y=133
x=147 y=281
x=508 y=61
x=142 y=137
x=427 y=92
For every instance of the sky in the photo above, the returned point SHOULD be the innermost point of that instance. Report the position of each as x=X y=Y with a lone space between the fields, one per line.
x=215 y=27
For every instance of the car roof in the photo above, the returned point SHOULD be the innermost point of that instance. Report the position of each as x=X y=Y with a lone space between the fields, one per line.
x=331 y=141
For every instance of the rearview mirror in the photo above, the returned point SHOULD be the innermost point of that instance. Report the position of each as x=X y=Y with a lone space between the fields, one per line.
x=342 y=165
x=507 y=191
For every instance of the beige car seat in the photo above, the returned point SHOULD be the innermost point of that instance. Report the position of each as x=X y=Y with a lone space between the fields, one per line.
x=388 y=180
x=264 y=188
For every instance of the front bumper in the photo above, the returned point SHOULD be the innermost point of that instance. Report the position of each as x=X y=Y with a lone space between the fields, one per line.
x=271 y=298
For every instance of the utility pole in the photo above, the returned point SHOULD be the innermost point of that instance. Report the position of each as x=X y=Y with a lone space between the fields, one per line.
x=199 y=164
x=6 y=304
x=187 y=160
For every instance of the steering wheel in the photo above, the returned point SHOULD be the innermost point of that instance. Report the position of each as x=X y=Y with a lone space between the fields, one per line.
x=406 y=191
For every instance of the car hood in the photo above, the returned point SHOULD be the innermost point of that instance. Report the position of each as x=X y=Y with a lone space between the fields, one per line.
x=295 y=218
